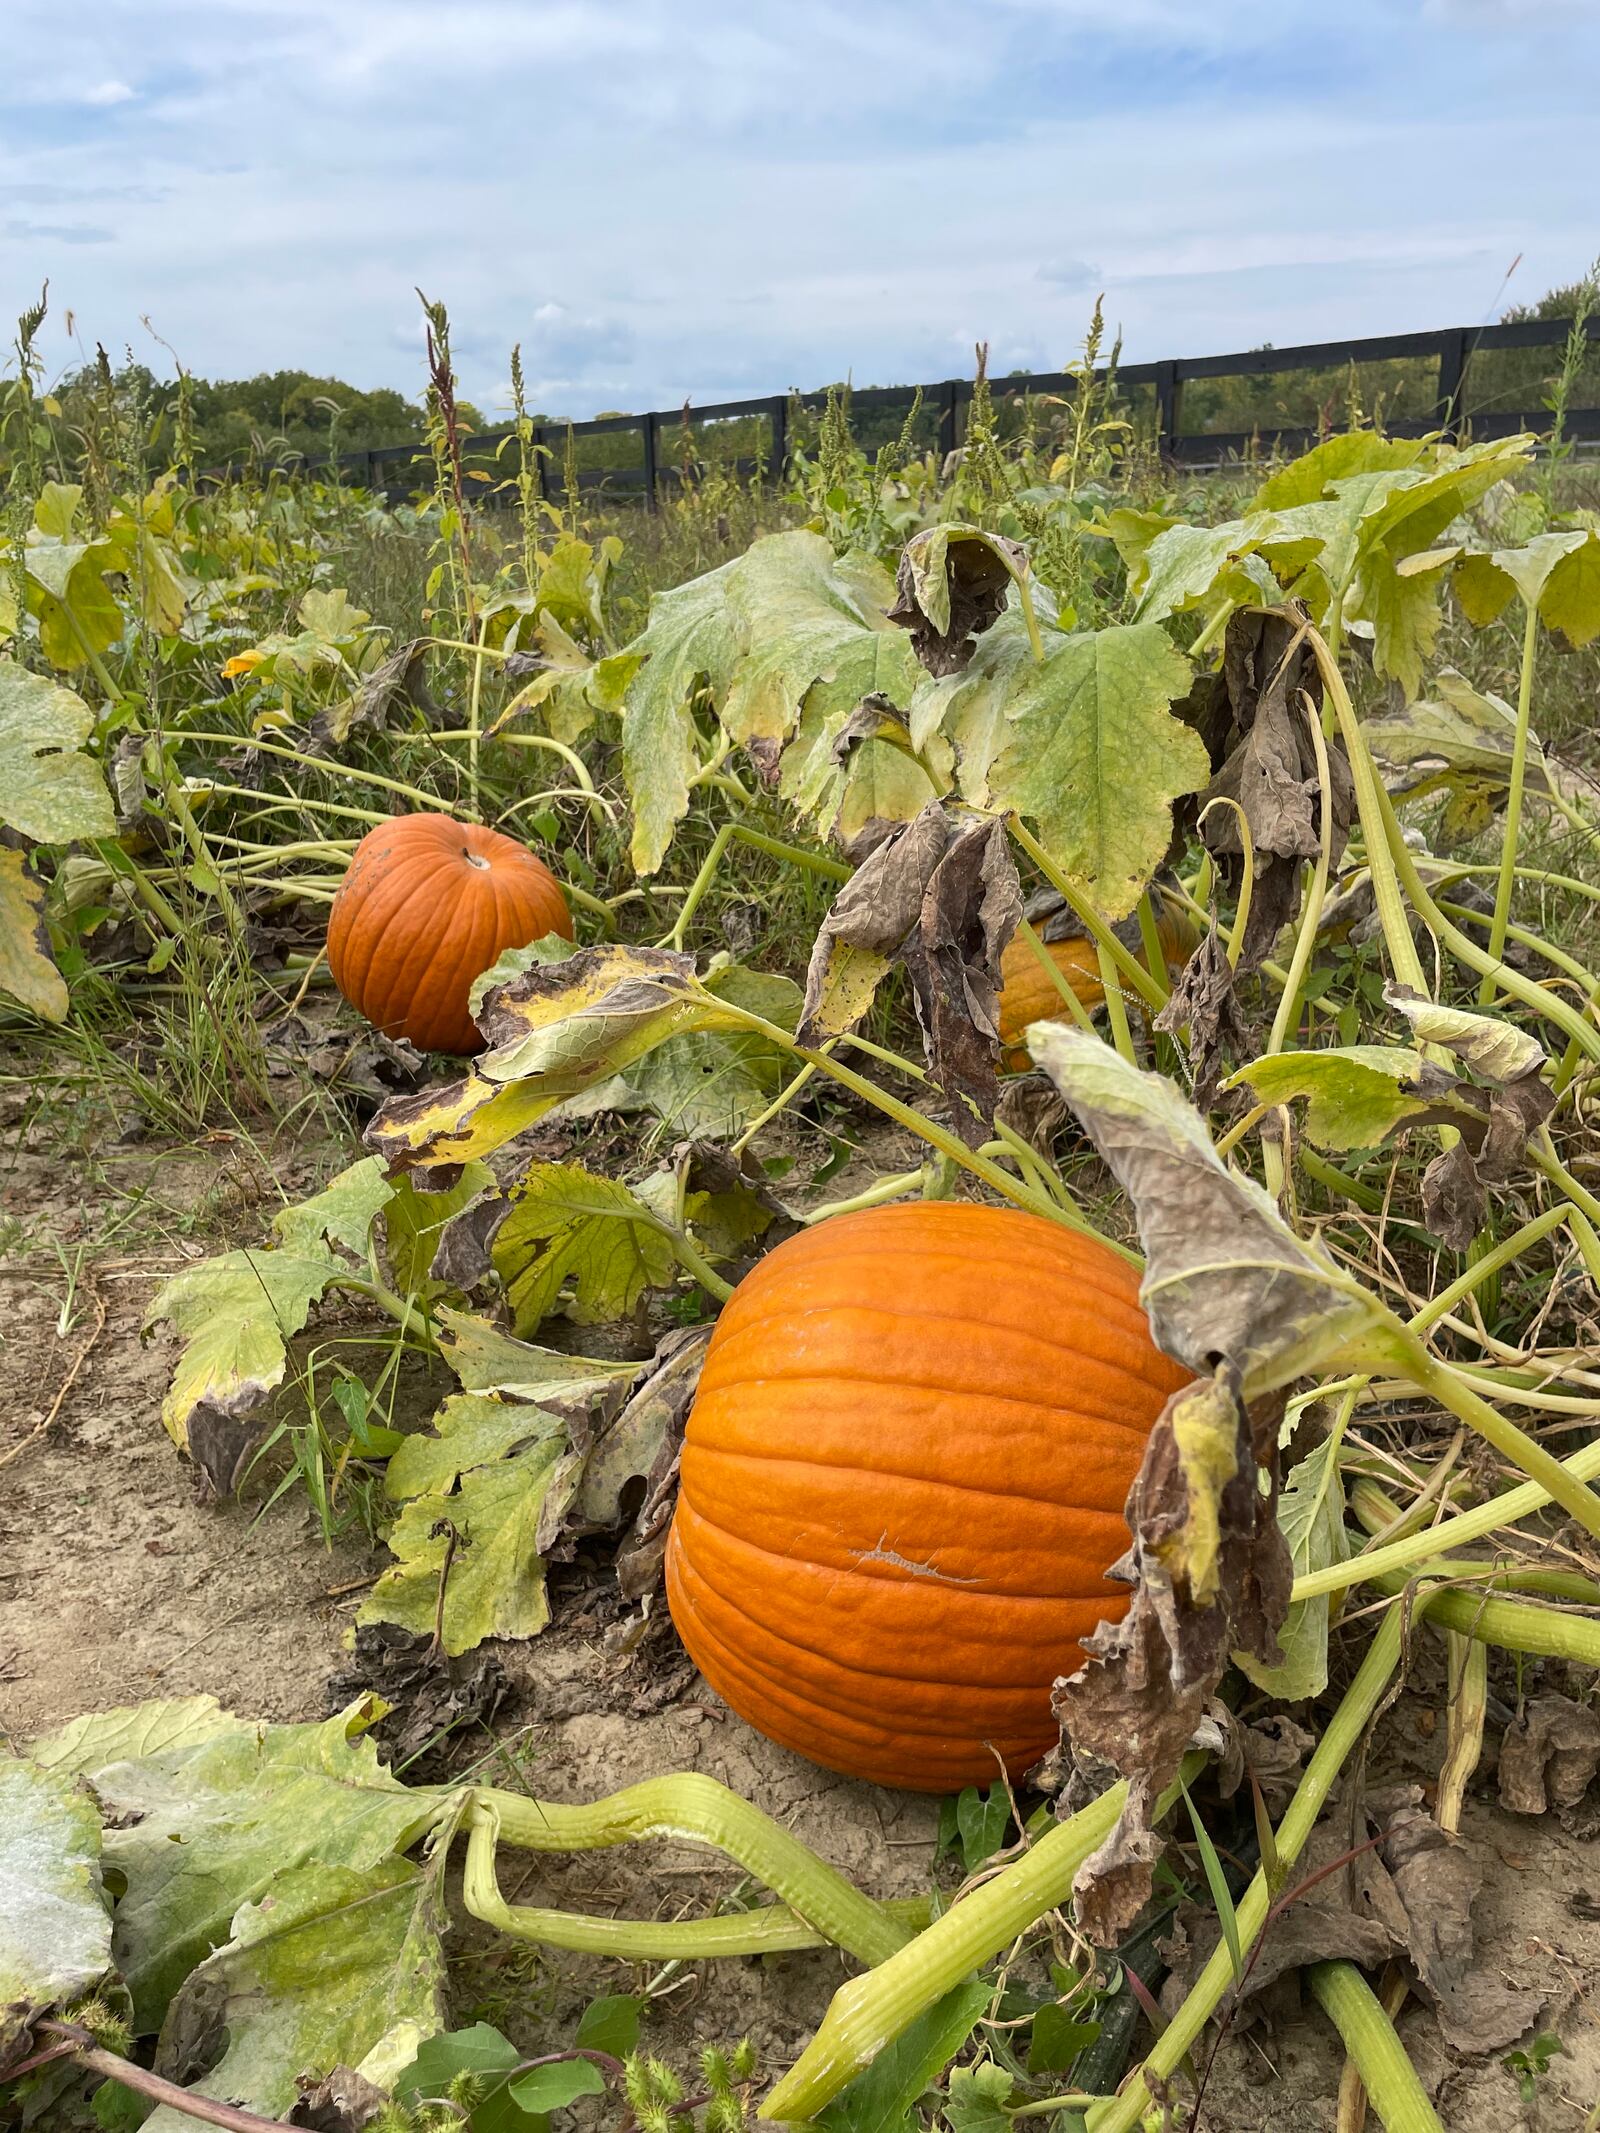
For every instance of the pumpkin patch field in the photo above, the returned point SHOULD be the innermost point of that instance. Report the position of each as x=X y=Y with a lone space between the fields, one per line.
x=802 y=1297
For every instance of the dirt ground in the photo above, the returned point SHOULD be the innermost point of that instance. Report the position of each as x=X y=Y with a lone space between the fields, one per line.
x=117 y=1585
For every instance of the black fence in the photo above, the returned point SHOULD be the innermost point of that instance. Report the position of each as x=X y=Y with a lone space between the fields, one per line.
x=1486 y=380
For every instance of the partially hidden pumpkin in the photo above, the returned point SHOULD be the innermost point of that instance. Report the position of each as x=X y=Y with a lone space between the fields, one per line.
x=1027 y=994
x=427 y=905
x=903 y=1482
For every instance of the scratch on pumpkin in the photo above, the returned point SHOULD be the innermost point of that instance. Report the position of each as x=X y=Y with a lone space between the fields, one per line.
x=883 y=1553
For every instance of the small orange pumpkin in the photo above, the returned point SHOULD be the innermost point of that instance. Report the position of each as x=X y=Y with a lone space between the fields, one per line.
x=903 y=1482
x=427 y=906
x=1027 y=995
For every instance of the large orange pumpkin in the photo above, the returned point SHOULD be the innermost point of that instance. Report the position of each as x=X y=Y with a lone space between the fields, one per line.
x=1027 y=995
x=427 y=906
x=903 y=1481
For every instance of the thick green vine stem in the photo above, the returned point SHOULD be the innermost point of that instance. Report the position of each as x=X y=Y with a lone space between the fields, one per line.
x=772 y=1929
x=697 y=1810
x=1473 y=1610
x=1333 y=1751
x=868 y=2013
x=1502 y=1510
x=1369 y=2037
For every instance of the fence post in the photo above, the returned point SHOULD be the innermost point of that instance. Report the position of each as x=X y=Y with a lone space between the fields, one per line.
x=1167 y=409
x=778 y=416
x=1452 y=370
x=945 y=406
x=650 y=498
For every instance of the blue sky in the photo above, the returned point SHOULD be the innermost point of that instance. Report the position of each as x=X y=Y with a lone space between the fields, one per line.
x=711 y=198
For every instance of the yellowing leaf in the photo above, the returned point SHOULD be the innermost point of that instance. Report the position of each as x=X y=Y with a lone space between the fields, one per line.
x=234 y=1315
x=27 y=968
x=48 y=789
x=568 y=1226
x=471 y=1429
x=1205 y=1429
x=554 y=1029
x=487 y=1528
x=1356 y=1096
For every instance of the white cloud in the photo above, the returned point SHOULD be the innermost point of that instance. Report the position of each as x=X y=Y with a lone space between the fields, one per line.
x=106 y=93
x=727 y=197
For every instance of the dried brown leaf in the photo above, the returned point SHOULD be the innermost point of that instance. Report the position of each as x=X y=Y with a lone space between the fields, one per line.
x=952 y=584
x=1548 y=1758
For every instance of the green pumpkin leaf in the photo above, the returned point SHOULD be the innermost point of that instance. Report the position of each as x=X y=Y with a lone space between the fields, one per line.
x=332 y=1966
x=611 y=2024
x=569 y=1226
x=486 y=1530
x=207 y=1813
x=77 y=611
x=471 y=1429
x=49 y=790
x=1311 y=1518
x=55 y=1926
x=689 y=642
x=343 y=1212
x=976 y=2099
x=883 y=2098
x=1096 y=758
x=812 y=630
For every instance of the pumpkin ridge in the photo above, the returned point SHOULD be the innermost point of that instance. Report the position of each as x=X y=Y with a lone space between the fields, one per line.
x=875 y=1709
x=430 y=988
x=357 y=967
x=872 y=1719
x=1093 y=1608
x=835 y=1376
x=386 y=921
x=444 y=982
x=931 y=1483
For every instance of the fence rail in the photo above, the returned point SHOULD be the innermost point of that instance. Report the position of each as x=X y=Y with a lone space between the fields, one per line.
x=1452 y=350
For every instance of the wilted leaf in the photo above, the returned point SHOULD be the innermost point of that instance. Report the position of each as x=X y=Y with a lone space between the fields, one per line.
x=1356 y=1096
x=486 y=1359
x=554 y=1030
x=77 y=611
x=565 y=1225
x=1462 y=734
x=1183 y=565
x=1494 y=1049
x=1234 y=1295
x=1095 y=758
x=643 y=1445
x=1225 y=1277
x=28 y=970
x=1548 y=1756
x=49 y=790
x=1204 y=1001
x=1267 y=766
x=206 y=1813
x=332 y=1967
x=413 y=1221
x=55 y=1927
x=941 y=895
x=399 y=684
x=953 y=584
x=1452 y=1197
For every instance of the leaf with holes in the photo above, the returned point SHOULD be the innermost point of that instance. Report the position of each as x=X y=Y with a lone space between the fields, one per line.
x=568 y=1227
